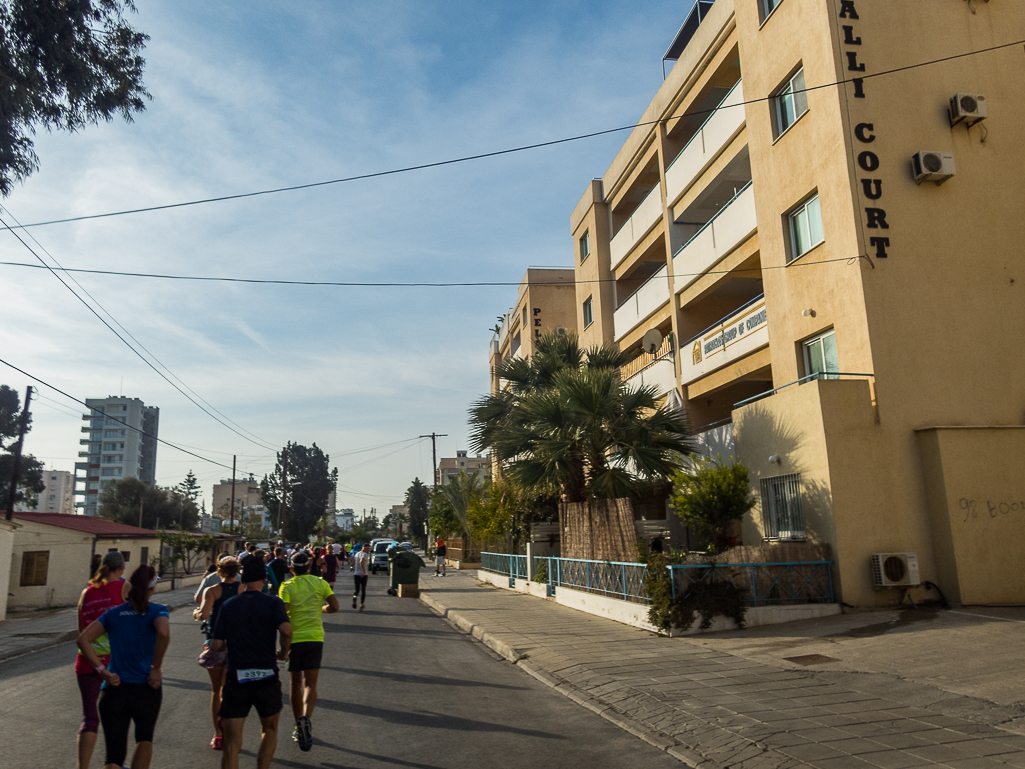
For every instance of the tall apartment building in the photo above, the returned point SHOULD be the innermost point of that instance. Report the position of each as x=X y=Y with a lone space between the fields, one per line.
x=450 y=467
x=121 y=442
x=544 y=305
x=821 y=212
x=58 y=496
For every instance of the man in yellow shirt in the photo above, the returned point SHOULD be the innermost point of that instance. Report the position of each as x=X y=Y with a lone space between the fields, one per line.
x=307 y=599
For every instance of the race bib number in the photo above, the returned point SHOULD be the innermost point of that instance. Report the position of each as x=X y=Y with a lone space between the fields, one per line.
x=254 y=674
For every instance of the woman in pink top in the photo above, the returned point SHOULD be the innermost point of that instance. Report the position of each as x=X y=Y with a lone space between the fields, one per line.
x=106 y=589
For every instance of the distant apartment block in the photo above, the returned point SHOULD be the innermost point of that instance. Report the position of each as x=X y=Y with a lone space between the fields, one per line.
x=121 y=441
x=247 y=494
x=58 y=496
x=449 y=468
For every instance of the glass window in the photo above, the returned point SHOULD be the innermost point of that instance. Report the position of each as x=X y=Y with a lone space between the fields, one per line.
x=768 y=6
x=34 y=566
x=791 y=102
x=588 y=312
x=805 y=227
x=820 y=358
x=781 y=507
x=585 y=246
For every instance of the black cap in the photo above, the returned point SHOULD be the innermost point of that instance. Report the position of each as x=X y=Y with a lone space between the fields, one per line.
x=253 y=569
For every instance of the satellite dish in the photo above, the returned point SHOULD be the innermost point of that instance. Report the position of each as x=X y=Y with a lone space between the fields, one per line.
x=652 y=341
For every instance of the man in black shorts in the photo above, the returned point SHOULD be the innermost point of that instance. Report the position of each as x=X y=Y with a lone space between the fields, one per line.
x=247 y=626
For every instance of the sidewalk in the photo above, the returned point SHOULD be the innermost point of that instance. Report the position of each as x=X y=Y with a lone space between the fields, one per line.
x=714 y=710
x=26 y=632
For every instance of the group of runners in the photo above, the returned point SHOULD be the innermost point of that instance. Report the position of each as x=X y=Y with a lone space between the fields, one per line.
x=256 y=608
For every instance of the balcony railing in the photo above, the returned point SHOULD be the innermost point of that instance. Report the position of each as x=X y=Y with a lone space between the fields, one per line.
x=652 y=294
x=637 y=226
x=734 y=223
x=645 y=359
x=730 y=339
x=707 y=144
x=802 y=380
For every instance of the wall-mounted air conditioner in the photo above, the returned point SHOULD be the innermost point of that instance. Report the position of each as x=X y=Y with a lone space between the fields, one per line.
x=967 y=108
x=895 y=570
x=932 y=166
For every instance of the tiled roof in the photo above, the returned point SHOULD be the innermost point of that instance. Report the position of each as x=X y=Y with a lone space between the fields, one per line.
x=86 y=523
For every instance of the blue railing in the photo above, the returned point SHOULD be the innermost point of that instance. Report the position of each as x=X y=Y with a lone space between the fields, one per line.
x=615 y=579
x=512 y=566
x=764 y=584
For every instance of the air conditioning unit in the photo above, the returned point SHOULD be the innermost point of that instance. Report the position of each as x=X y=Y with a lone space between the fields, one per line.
x=895 y=570
x=968 y=108
x=932 y=166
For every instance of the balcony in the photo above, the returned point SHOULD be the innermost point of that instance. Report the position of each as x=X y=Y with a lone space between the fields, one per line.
x=637 y=226
x=732 y=338
x=715 y=440
x=652 y=294
x=656 y=369
x=707 y=144
x=734 y=223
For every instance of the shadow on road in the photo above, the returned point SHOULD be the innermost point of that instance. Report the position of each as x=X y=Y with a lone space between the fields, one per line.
x=182 y=683
x=408 y=678
x=430 y=720
x=382 y=630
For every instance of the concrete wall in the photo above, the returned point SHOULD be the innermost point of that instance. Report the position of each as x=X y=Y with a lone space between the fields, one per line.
x=6 y=548
x=68 y=571
x=975 y=481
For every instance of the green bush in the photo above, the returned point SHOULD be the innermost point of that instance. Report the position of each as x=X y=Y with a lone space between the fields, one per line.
x=710 y=497
x=708 y=600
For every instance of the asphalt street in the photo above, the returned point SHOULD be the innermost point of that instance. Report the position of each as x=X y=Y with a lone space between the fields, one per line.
x=399 y=688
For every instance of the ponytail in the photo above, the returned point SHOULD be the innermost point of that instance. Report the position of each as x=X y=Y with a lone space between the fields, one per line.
x=112 y=562
x=140 y=581
x=102 y=575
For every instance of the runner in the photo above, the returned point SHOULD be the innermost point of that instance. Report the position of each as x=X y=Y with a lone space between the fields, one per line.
x=106 y=590
x=316 y=562
x=210 y=579
x=331 y=561
x=139 y=633
x=307 y=599
x=214 y=598
x=440 y=550
x=246 y=628
x=360 y=570
x=279 y=566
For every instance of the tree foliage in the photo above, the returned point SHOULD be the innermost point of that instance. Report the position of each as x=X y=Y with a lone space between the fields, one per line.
x=189 y=487
x=30 y=476
x=310 y=484
x=503 y=512
x=161 y=508
x=186 y=547
x=710 y=497
x=442 y=520
x=63 y=65
x=418 y=507
x=567 y=424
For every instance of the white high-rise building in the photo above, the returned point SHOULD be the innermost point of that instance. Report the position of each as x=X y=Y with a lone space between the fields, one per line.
x=121 y=442
x=57 y=496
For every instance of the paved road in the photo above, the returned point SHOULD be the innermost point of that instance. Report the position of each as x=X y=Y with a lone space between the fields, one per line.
x=400 y=688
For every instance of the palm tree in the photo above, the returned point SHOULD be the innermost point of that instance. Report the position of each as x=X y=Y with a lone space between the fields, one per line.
x=567 y=424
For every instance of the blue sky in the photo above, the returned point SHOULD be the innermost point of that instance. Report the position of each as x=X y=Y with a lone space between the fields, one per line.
x=257 y=95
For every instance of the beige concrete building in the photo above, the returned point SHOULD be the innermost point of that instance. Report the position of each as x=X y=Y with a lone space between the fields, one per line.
x=544 y=305
x=51 y=555
x=821 y=212
x=450 y=467
x=57 y=497
x=247 y=494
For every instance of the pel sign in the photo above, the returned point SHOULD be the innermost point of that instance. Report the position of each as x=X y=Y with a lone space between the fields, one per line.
x=971 y=508
x=871 y=189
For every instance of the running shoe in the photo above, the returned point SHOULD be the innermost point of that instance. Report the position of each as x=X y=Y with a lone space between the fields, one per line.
x=295 y=734
x=361 y=607
x=217 y=743
x=354 y=602
x=305 y=731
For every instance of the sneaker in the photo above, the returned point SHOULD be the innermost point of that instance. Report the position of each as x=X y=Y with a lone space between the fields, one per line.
x=305 y=731
x=295 y=734
x=361 y=607
x=217 y=743
x=354 y=602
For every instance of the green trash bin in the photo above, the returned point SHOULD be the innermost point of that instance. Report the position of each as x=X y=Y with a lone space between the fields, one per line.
x=403 y=568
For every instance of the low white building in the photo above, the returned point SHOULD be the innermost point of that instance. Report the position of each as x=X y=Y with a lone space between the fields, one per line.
x=52 y=553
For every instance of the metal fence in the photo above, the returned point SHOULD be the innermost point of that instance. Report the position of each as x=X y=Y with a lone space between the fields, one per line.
x=512 y=566
x=615 y=579
x=764 y=584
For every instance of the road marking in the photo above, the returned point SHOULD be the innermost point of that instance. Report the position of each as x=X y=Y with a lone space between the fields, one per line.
x=986 y=616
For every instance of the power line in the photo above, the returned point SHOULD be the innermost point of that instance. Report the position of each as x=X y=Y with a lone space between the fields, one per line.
x=125 y=341
x=408 y=284
x=509 y=150
x=110 y=416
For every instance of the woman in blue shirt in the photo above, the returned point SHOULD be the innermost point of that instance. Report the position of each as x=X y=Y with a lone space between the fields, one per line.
x=139 y=633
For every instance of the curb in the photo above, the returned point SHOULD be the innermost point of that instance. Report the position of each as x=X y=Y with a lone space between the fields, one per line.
x=596 y=705
x=71 y=635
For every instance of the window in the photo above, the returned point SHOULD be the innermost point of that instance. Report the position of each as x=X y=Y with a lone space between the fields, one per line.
x=34 y=566
x=114 y=459
x=143 y=556
x=820 y=358
x=585 y=246
x=588 y=312
x=524 y=316
x=791 y=102
x=805 y=225
x=781 y=507
x=127 y=555
x=111 y=472
x=768 y=6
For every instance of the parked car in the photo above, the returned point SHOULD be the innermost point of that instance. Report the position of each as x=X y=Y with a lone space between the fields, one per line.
x=379 y=554
x=407 y=545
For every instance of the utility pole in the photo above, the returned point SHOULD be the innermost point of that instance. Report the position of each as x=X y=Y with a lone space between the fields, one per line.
x=231 y=521
x=434 y=454
x=16 y=470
